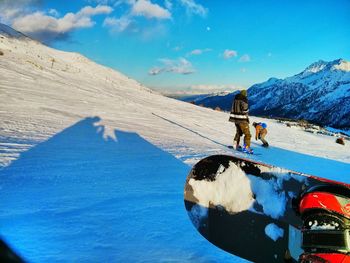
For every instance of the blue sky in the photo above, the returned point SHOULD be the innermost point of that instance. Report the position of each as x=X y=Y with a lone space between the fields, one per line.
x=191 y=44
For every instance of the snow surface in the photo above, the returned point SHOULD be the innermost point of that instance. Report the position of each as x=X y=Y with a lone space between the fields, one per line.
x=231 y=189
x=272 y=201
x=94 y=164
x=343 y=65
x=324 y=226
x=197 y=214
x=273 y=231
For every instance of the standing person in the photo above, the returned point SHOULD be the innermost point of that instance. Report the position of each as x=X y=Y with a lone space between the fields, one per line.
x=260 y=132
x=239 y=115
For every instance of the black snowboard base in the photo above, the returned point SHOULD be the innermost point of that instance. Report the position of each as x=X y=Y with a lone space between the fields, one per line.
x=268 y=228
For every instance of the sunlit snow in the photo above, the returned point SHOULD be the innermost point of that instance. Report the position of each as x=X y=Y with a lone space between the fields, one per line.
x=93 y=164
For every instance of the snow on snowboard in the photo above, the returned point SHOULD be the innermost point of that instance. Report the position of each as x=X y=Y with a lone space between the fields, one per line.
x=264 y=213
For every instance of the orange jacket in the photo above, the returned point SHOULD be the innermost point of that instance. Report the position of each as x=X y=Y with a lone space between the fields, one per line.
x=259 y=131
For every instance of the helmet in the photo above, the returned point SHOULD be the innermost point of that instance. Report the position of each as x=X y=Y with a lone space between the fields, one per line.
x=244 y=92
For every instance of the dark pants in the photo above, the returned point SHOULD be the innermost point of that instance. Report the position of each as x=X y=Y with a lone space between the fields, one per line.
x=242 y=128
x=262 y=135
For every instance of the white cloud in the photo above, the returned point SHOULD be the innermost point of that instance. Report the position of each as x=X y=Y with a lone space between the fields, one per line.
x=179 y=66
x=118 y=24
x=109 y=2
x=144 y=8
x=53 y=12
x=130 y=25
x=101 y=2
x=214 y=88
x=149 y=10
x=7 y=14
x=193 y=8
x=200 y=89
x=229 y=54
x=92 y=11
x=49 y=25
x=244 y=58
x=168 y=4
x=196 y=52
x=177 y=48
x=199 y=51
x=11 y=9
x=19 y=3
x=128 y=22
x=155 y=71
x=149 y=33
x=46 y=28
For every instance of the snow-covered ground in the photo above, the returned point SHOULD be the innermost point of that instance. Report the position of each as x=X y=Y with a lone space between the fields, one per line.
x=94 y=164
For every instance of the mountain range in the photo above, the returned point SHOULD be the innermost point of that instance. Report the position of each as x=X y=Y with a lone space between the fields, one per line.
x=319 y=94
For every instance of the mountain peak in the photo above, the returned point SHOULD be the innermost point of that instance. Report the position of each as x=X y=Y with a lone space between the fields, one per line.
x=338 y=64
x=316 y=66
x=341 y=64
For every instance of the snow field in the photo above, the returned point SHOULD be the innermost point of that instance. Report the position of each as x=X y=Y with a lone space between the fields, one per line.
x=88 y=167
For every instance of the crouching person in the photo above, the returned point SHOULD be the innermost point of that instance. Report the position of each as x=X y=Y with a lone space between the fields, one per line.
x=260 y=132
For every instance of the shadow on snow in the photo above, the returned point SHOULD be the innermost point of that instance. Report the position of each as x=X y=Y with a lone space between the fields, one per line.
x=313 y=165
x=78 y=197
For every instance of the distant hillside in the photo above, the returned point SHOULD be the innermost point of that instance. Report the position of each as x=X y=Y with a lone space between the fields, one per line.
x=319 y=94
x=211 y=100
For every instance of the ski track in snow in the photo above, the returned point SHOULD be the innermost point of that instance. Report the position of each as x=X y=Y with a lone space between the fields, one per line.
x=88 y=167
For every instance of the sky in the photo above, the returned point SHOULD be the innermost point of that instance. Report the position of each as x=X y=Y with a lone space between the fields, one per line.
x=190 y=45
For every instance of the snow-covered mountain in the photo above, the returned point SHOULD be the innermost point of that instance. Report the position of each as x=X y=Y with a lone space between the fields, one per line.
x=210 y=100
x=320 y=94
x=93 y=164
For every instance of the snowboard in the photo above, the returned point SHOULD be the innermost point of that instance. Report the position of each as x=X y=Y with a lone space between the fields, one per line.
x=264 y=213
x=240 y=150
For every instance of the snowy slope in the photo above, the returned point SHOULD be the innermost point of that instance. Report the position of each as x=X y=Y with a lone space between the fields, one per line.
x=94 y=164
